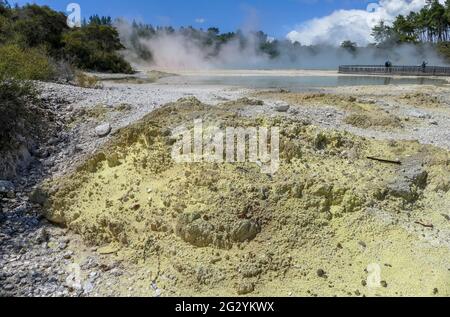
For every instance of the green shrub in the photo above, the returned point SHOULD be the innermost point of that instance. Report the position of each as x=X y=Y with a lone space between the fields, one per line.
x=6 y=30
x=16 y=98
x=27 y=64
x=94 y=47
x=40 y=26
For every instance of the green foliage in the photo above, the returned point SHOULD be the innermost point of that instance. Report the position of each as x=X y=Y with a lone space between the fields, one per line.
x=431 y=24
x=382 y=33
x=40 y=26
x=25 y=64
x=17 y=115
x=96 y=19
x=37 y=29
x=94 y=47
x=6 y=31
x=4 y=5
x=349 y=46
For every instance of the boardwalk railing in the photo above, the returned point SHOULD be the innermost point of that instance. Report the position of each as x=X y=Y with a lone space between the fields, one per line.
x=395 y=70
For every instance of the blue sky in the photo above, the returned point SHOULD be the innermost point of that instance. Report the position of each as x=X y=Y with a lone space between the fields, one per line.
x=275 y=17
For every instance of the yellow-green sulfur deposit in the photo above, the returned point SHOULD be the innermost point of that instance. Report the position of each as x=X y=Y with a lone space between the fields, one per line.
x=319 y=226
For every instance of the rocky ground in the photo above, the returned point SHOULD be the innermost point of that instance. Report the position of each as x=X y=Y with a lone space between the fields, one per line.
x=35 y=256
x=38 y=258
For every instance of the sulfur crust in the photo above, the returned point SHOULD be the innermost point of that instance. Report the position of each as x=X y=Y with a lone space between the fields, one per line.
x=328 y=208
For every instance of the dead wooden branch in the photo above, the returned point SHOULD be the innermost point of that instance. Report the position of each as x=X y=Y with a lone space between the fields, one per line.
x=384 y=160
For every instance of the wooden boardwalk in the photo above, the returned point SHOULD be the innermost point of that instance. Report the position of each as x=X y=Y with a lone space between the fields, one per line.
x=395 y=70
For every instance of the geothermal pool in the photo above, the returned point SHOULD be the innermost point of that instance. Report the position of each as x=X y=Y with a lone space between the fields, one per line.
x=297 y=83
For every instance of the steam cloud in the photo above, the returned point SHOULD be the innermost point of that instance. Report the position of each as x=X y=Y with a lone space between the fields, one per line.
x=319 y=50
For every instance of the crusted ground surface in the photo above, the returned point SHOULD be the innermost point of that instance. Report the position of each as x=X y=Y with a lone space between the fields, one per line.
x=319 y=226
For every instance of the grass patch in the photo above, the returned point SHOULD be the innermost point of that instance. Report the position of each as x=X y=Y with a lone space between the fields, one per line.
x=421 y=100
x=370 y=120
x=25 y=63
x=87 y=81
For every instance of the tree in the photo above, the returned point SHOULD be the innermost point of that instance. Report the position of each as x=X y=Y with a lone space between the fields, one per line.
x=4 y=4
x=431 y=24
x=447 y=11
x=94 y=47
x=96 y=19
x=437 y=21
x=382 y=33
x=349 y=46
x=404 y=30
x=40 y=26
x=214 y=31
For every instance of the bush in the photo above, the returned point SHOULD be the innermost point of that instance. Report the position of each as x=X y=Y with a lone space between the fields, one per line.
x=42 y=31
x=64 y=71
x=86 y=81
x=93 y=47
x=27 y=64
x=6 y=31
x=40 y=26
x=16 y=115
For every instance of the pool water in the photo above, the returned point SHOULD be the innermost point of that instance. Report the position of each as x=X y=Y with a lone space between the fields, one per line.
x=298 y=83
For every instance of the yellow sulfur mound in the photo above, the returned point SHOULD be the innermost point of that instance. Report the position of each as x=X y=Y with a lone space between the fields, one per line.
x=329 y=222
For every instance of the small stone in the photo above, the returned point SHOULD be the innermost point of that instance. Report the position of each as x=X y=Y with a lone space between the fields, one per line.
x=245 y=288
x=417 y=114
x=41 y=236
x=53 y=141
x=6 y=187
x=38 y=196
x=136 y=207
x=78 y=149
x=68 y=255
x=8 y=287
x=88 y=287
x=116 y=272
x=103 y=130
x=282 y=108
x=245 y=230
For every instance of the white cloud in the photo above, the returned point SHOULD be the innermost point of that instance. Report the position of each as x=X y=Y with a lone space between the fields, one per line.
x=354 y=25
x=200 y=20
